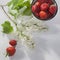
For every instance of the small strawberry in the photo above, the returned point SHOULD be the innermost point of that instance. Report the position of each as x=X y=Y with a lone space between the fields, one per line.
x=10 y=51
x=13 y=42
x=37 y=14
x=49 y=15
x=38 y=3
x=44 y=6
x=53 y=9
x=37 y=6
x=42 y=1
x=34 y=8
x=50 y=2
x=43 y=15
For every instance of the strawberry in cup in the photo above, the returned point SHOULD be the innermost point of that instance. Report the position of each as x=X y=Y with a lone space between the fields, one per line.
x=44 y=9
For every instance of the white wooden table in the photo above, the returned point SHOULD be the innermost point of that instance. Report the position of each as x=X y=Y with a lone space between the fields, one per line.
x=49 y=42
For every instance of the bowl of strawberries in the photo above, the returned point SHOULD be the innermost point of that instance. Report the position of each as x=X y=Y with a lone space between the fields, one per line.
x=44 y=9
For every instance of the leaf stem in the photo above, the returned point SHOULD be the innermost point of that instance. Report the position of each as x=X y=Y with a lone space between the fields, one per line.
x=3 y=5
x=8 y=15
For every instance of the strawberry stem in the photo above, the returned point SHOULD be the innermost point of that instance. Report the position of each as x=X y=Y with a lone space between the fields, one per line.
x=6 y=55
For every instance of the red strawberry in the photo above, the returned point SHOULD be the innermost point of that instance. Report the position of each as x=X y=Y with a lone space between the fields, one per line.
x=37 y=6
x=42 y=1
x=43 y=15
x=49 y=15
x=49 y=2
x=53 y=9
x=11 y=51
x=33 y=8
x=37 y=14
x=38 y=3
x=13 y=42
x=44 y=6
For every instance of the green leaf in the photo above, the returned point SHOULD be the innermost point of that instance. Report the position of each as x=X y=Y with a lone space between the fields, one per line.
x=9 y=3
x=27 y=12
x=14 y=13
x=18 y=5
x=7 y=28
x=27 y=4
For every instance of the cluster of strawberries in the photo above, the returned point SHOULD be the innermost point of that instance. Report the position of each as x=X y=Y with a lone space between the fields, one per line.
x=44 y=9
x=11 y=49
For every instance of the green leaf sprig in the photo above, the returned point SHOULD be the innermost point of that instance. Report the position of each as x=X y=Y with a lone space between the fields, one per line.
x=7 y=28
x=17 y=7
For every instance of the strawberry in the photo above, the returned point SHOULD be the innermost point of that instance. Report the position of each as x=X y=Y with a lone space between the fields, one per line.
x=44 y=6
x=42 y=1
x=49 y=15
x=34 y=8
x=43 y=15
x=50 y=2
x=13 y=42
x=11 y=51
x=37 y=4
x=52 y=9
x=37 y=14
